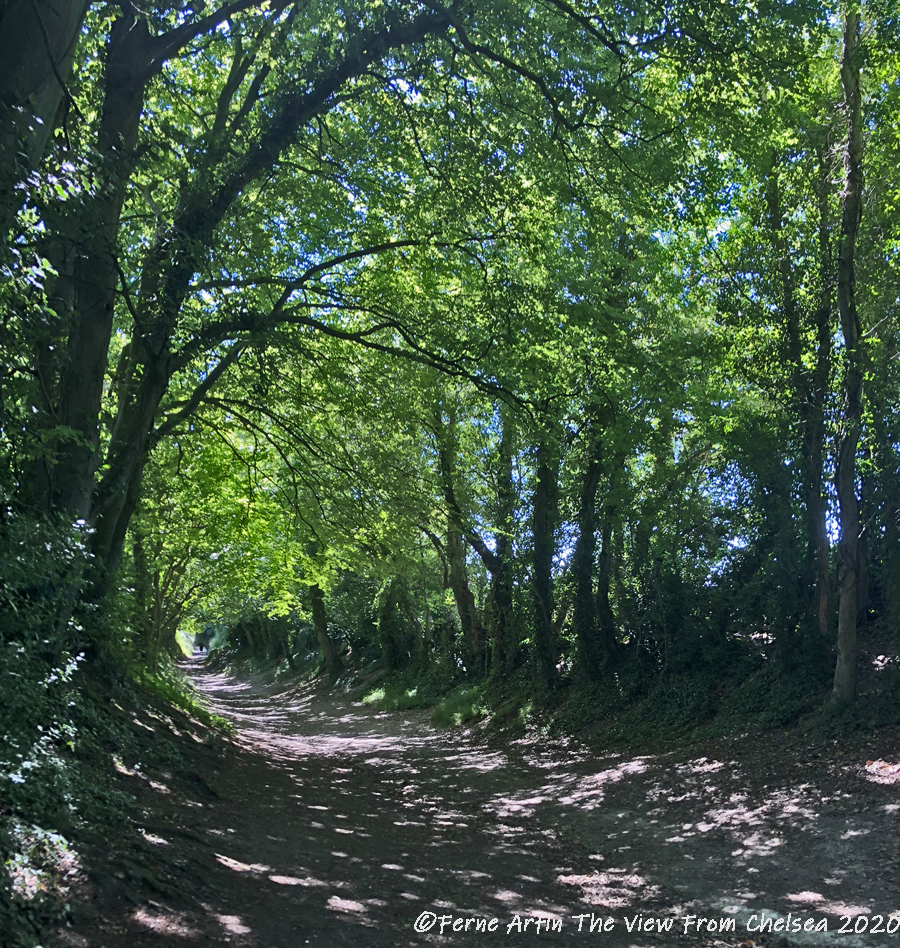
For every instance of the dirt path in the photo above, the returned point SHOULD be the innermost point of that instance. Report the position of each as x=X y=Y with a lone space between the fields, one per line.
x=335 y=826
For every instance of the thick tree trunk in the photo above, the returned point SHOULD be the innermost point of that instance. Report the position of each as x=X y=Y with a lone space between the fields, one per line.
x=848 y=438
x=85 y=291
x=37 y=46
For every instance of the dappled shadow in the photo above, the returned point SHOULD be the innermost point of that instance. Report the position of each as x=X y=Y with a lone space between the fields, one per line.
x=337 y=825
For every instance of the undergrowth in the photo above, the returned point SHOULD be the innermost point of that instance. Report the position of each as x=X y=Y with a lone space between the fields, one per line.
x=635 y=703
x=66 y=723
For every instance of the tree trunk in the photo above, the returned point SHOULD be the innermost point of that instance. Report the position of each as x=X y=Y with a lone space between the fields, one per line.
x=504 y=643
x=37 y=47
x=333 y=664
x=809 y=390
x=469 y=617
x=848 y=437
x=816 y=503
x=85 y=291
x=606 y=621
x=544 y=516
x=590 y=650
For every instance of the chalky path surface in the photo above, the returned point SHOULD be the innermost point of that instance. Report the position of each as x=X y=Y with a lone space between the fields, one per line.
x=336 y=826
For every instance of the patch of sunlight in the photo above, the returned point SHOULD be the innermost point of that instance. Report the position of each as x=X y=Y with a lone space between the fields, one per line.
x=757 y=844
x=308 y=882
x=170 y=925
x=136 y=720
x=156 y=840
x=839 y=908
x=614 y=889
x=237 y=866
x=233 y=925
x=805 y=897
x=482 y=761
x=703 y=765
x=881 y=771
x=345 y=905
x=507 y=895
x=373 y=697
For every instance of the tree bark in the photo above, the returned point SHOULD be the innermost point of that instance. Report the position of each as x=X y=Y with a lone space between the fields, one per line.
x=816 y=503
x=844 y=689
x=37 y=47
x=84 y=294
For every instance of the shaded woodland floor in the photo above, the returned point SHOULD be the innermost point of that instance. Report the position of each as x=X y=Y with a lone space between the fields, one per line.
x=325 y=823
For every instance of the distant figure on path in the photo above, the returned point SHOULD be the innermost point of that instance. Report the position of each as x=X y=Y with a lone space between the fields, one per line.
x=203 y=639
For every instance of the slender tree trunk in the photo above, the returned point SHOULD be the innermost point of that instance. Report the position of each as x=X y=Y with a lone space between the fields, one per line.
x=816 y=503
x=469 y=616
x=809 y=389
x=864 y=590
x=333 y=664
x=590 y=650
x=504 y=643
x=469 y=619
x=848 y=437
x=286 y=648
x=427 y=625
x=544 y=516
x=606 y=621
